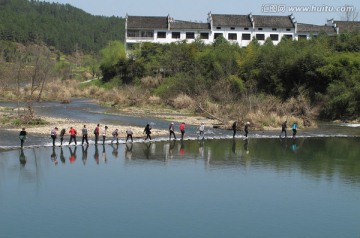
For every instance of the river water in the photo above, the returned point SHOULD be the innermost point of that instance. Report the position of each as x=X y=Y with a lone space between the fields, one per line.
x=217 y=187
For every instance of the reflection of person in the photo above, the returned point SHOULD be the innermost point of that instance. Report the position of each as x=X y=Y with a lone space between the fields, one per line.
x=233 y=147
x=201 y=149
x=294 y=129
x=202 y=131
x=104 y=154
x=96 y=154
x=182 y=130
x=246 y=147
x=22 y=157
x=294 y=146
x=129 y=134
x=62 y=133
x=182 y=148
x=115 y=152
x=22 y=137
x=234 y=128
x=147 y=131
x=62 y=157
x=84 y=153
x=72 y=133
x=171 y=130
x=171 y=149
x=246 y=129
x=53 y=135
x=283 y=128
x=147 y=150
x=53 y=156
x=72 y=157
x=84 y=135
x=128 y=151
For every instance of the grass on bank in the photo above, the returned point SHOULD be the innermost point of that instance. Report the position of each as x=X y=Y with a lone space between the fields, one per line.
x=262 y=111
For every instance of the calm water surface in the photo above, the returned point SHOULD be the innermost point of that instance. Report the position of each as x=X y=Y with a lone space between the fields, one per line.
x=263 y=187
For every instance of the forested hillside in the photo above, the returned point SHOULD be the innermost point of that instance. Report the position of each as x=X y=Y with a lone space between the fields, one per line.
x=63 y=26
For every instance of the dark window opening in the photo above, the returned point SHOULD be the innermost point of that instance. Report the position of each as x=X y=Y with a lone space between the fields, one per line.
x=260 y=36
x=246 y=36
x=175 y=35
x=204 y=36
x=161 y=34
x=232 y=36
x=190 y=35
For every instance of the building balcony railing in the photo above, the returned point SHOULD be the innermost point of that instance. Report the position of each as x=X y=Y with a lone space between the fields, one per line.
x=140 y=38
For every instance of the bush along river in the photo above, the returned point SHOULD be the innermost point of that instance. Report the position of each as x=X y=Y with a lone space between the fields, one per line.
x=218 y=187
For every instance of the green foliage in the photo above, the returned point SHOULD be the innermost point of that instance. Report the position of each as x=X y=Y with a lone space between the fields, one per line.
x=325 y=70
x=63 y=26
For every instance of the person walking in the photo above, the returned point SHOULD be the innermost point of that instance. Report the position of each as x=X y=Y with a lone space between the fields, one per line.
x=182 y=130
x=234 y=128
x=104 y=132
x=22 y=137
x=294 y=129
x=62 y=133
x=283 y=129
x=246 y=129
x=202 y=131
x=171 y=130
x=115 y=135
x=96 y=133
x=147 y=131
x=53 y=135
x=84 y=132
x=72 y=133
x=129 y=134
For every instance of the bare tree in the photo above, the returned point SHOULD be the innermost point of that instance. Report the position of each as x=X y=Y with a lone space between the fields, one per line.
x=350 y=14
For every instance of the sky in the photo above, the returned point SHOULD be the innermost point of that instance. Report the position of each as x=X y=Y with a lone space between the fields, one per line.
x=305 y=11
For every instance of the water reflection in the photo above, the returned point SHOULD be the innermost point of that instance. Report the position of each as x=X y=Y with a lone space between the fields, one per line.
x=22 y=157
x=128 y=151
x=53 y=156
x=96 y=154
x=62 y=157
x=85 y=153
x=72 y=157
x=317 y=156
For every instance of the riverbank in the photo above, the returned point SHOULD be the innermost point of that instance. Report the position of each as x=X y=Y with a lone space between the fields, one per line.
x=9 y=119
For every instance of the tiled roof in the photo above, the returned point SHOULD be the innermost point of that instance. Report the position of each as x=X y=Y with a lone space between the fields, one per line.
x=189 y=25
x=145 y=22
x=301 y=27
x=231 y=20
x=348 y=25
x=273 y=21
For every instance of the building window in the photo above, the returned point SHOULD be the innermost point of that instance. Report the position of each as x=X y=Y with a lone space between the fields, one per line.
x=175 y=35
x=232 y=28
x=232 y=36
x=260 y=36
x=274 y=29
x=274 y=37
x=302 y=37
x=246 y=28
x=132 y=33
x=218 y=27
x=204 y=35
x=259 y=29
x=246 y=36
x=147 y=34
x=288 y=29
x=190 y=35
x=216 y=35
x=288 y=36
x=161 y=34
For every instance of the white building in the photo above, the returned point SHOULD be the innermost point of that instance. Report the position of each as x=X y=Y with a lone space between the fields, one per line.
x=239 y=29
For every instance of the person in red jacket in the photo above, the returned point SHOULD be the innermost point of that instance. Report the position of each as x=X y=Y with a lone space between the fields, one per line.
x=72 y=133
x=182 y=130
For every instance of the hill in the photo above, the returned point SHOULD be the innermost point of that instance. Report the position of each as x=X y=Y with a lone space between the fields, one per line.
x=59 y=25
